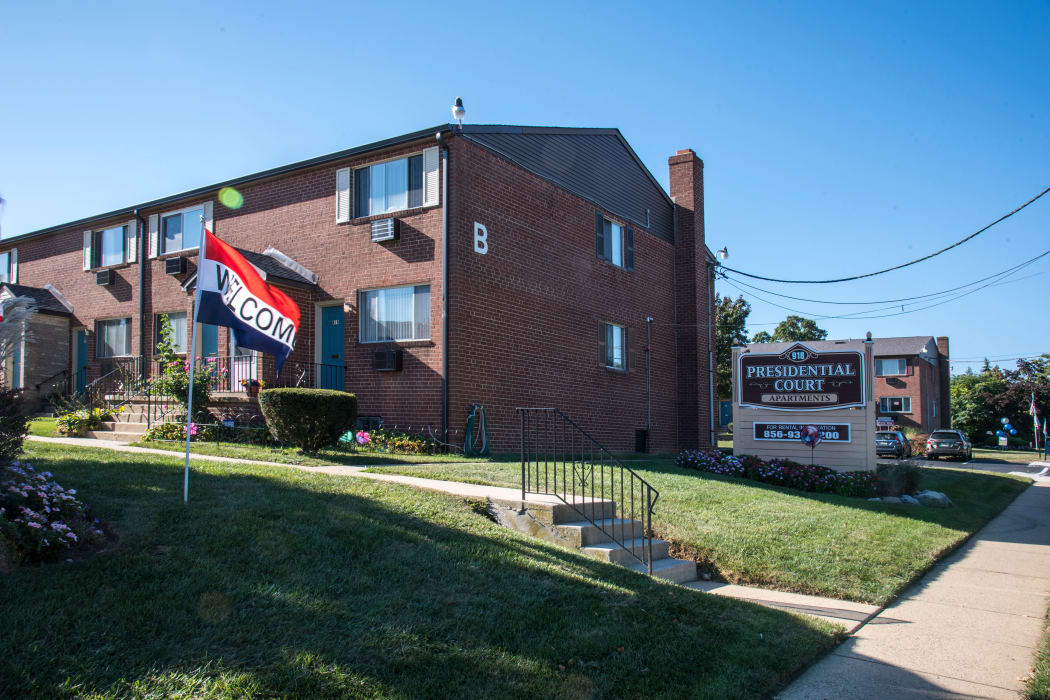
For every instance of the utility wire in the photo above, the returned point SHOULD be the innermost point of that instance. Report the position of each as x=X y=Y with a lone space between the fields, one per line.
x=887 y=301
x=895 y=267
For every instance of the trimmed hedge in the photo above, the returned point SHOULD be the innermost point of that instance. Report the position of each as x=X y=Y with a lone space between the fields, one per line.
x=308 y=418
x=14 y=424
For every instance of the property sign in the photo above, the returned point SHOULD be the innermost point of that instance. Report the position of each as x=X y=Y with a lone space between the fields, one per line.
x=829 y=432
x=801 y=379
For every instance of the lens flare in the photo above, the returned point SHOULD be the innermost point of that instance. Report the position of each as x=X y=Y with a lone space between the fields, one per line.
x=231 y=198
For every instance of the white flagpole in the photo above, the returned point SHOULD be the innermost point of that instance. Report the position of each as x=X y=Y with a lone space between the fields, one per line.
x=193 y=362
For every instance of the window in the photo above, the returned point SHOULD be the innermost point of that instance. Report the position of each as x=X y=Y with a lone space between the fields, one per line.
x=613 y=243
x=181 y=230
x=177 y=319
x=108 y=247
x=397 y=313
x=113 y=337
x=612 y=346
x=390 y=186
x=895 y=404
x=897 y=367
x=5 y=267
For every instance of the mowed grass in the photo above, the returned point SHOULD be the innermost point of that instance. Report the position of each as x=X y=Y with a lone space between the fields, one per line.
x=43 y=427
x=780 y=538
x=1038 y=687
x=1012 y=456
x=275 y=582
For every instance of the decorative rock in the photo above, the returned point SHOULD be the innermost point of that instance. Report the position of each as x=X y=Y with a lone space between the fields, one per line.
x=875 y=500
x=891 y=499
x=934 y=498
x=910 y=500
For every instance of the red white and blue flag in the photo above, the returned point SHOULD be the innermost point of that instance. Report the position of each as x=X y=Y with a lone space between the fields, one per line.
x=232 y=294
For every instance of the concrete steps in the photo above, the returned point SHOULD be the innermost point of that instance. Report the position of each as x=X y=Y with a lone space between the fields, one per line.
x=596 y=539
x=113 y=435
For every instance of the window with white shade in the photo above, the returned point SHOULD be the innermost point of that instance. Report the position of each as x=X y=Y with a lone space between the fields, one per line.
x=388 y=187
x=396 y=313
x=181 y=230
x=895 y=404
x=108 y=247
x=177 y=319
x=612 y=346
x=5 y=267
x=896 y=367
x=113 y=337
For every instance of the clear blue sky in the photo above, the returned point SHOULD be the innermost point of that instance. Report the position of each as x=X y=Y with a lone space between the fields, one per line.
x=837 y=138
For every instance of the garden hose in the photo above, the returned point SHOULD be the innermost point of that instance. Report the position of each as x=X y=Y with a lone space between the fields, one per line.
x=478 y=420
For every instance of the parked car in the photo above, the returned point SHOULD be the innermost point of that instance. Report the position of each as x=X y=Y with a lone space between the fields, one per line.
x=893 y=443
x=949 y=443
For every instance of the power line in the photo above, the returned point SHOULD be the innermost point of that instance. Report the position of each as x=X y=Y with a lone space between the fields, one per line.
x=895 y=267
x=892 y=301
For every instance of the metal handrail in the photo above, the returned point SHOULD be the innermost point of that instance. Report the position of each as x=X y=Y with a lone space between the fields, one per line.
x=553 y=445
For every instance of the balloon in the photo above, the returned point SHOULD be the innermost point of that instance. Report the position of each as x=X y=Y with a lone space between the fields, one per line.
x=999 y=433
x=1005 y=420
x=1013 y=431
x=810 y=436
x=1008 y=427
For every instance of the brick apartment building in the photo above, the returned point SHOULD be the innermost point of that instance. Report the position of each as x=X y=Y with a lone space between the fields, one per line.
x=911 y=380
x=496 y=265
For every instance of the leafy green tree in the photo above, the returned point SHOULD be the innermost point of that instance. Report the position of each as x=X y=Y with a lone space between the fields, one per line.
x=792 y=329
x=175 y=372
x=980 y=401
x=730 y=329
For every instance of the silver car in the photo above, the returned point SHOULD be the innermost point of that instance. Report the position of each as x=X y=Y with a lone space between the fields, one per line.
x=949 y=443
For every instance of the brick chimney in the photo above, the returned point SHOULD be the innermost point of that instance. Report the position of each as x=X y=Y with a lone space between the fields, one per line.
x=693 y=291
x=944 y=408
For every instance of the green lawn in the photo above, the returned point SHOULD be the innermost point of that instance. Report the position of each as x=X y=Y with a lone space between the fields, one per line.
x=1039 y=681
x=44 y=427
x=1013 y=456
x=275 y=582
x=779 y=538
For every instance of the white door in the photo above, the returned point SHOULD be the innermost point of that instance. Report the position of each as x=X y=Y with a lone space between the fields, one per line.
x=244 y=365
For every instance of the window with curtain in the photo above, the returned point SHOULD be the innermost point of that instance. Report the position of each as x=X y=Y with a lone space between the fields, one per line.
x=895 y=404
x=397 y=313
x=614 y=243
x=177 y=319
x=390 y=186
x=113 y=337
x=614 y=346
x=181 y=230
x=108 y=247
x=897 y=367
x=5 y=267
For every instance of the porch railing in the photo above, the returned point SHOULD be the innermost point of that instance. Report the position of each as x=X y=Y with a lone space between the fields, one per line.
x=559 y=458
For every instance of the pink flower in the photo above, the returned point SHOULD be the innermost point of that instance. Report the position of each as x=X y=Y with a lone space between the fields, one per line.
x=362 y=437
x=193 y=429
x=34 y=525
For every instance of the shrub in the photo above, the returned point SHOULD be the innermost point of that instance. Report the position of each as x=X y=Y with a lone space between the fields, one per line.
x=78 y=421
x=308 y=418
x=382 y=440
x=918 y=444
x=782 y=472
x=895 y=479
x=14 y=424
x=39 y=518
x=174 y=377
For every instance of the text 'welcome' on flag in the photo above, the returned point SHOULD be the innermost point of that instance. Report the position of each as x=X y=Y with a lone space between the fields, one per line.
x=232 y=294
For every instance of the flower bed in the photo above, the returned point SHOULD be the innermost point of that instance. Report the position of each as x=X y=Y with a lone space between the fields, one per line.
x=39 y=519
x=382 y=440
x=783 y=472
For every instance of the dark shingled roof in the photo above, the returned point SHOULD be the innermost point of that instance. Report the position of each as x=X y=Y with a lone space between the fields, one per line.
x=272 y=268
x=46 y=302
x=595 y=164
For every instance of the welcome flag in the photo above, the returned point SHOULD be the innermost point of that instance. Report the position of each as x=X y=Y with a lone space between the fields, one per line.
x=232 y=294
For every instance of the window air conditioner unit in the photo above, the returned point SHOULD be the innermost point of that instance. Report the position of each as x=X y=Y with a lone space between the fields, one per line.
x=175 y=266
x=104 y=278
x=384 y=230
x=386 y=360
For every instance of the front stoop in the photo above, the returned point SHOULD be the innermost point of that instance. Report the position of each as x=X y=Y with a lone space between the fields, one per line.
x=561 y=523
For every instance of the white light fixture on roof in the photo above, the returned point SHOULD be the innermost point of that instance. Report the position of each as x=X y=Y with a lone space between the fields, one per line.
x=458 y=112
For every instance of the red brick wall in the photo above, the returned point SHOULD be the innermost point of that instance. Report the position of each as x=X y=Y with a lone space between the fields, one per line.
x=524 y=316
x=923 y=385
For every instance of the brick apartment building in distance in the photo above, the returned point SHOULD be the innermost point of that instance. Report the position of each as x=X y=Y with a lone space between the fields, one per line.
x=496 y=265
x=911 y=379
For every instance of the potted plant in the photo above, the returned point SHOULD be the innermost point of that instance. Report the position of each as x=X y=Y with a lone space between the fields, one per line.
x=251 y=386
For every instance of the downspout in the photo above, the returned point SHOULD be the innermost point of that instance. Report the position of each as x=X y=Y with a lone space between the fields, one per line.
x=141 y=242
x=674 y=287
x=712 y=376
x=444 y=289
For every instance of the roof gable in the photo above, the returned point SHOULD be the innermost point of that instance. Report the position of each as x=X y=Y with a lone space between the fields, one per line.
x=595 y=164
x=46 y=301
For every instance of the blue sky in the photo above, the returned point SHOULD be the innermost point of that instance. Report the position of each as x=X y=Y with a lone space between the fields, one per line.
x=838 y=138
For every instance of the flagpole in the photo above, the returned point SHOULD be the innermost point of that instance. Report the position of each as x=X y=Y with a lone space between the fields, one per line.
x=193 y=362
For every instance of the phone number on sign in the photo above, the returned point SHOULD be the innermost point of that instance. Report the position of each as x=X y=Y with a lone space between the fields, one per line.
x=775 y=431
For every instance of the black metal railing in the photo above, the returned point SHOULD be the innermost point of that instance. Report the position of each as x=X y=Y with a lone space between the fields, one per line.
x=559 y=458
x=315 y=375
x=120 y=382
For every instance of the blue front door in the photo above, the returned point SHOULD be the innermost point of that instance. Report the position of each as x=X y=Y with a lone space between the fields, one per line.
x=209 y=340
x=332 y=370
x=80 y=367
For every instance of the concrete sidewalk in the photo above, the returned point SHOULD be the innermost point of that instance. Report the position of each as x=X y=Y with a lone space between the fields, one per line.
x=848 y=614
x=969 y=628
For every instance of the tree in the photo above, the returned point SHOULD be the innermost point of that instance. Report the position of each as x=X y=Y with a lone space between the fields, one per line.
x=792 y=329
x=981 y=401
x=730 y=329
